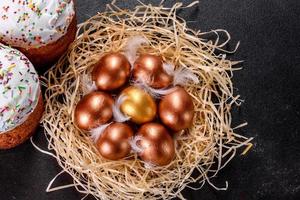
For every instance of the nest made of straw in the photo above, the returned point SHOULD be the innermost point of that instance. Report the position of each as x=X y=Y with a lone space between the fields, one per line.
x=205 y=148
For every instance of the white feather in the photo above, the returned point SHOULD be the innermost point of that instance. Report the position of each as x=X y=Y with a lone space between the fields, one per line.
x=149 y=165
x=117 y=113
x=169 y=68
x=96 y=132
x=87 y=84
x=134 y=146
x=155 y=93
x=181 y=76
x=132 y=47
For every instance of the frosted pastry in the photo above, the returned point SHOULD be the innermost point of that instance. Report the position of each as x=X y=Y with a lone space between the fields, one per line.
x=41 y=29
x=21 y=104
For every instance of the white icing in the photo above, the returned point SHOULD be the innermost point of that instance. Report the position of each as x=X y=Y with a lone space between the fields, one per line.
x=34 y=23
x=19 y=88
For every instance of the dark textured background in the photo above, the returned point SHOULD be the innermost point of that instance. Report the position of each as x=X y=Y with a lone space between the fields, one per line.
x=270 y=45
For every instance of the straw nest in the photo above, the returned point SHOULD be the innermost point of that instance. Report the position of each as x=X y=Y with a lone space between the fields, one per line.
x=205 y=148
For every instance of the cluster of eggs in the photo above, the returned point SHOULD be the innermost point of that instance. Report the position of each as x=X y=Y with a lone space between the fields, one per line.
x=153 y=120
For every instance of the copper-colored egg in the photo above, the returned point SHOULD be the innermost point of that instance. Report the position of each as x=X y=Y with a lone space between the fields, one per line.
x=138 y=105
x=176 y=110
x=149 y=68
x=113 y=144
x=93 y=110
x=156 y=144
x=111 y=72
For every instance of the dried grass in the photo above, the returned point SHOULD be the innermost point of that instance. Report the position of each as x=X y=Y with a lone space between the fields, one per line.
x=204 y=149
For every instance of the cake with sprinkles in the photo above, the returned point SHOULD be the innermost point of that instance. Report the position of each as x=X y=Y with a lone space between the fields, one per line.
x=41 y=29
x=21 y=104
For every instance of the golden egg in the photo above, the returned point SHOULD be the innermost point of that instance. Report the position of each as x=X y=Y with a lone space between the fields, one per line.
x=138 y=105
x=176 y=110
x=111 y=72
x=113 y=144
x=149 y=68
x=156 y=144
x=93 y=110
